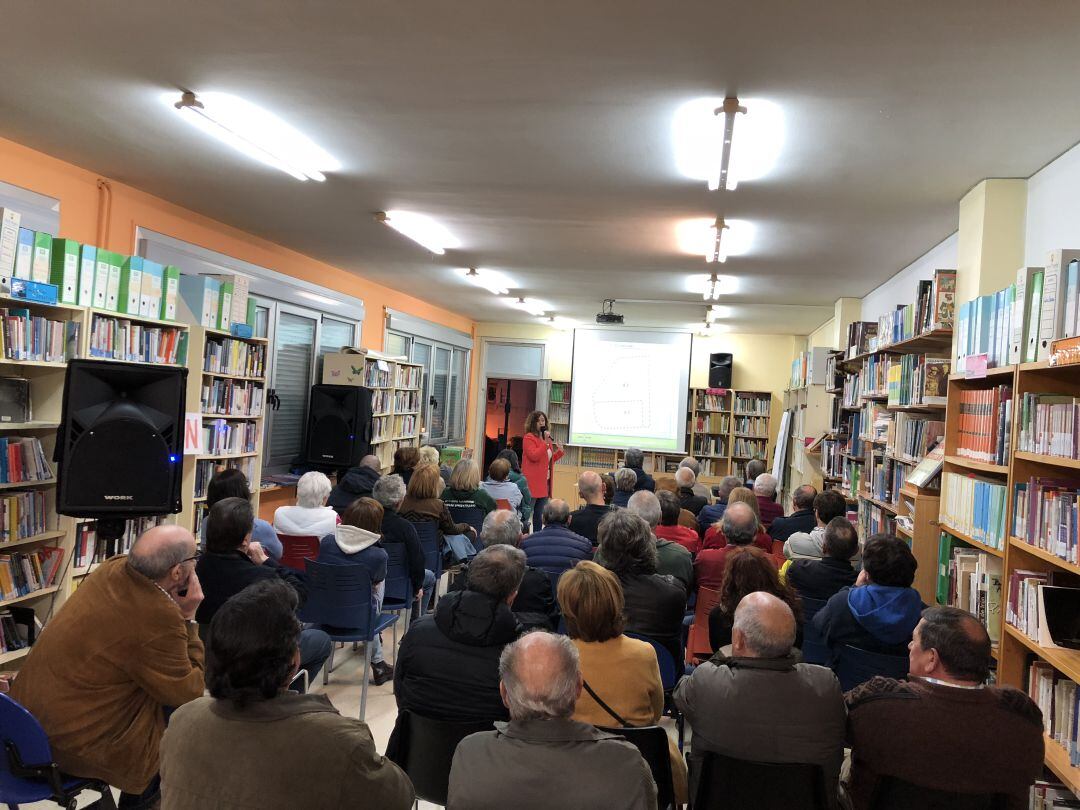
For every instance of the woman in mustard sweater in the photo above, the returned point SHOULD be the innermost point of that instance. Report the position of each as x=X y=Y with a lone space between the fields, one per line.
x=621 y=671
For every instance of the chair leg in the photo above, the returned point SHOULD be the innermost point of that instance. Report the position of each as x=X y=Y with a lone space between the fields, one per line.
x=329 y=665
x=394 y=648
x=363 y=689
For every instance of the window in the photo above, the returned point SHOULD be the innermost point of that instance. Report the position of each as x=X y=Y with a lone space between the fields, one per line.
x=444 y=383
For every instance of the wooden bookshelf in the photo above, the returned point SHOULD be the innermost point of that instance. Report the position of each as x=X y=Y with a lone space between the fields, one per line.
x=395 y=404
x=810 y=407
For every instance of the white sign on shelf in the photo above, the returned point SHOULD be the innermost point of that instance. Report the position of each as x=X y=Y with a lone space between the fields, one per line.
x=193 y=434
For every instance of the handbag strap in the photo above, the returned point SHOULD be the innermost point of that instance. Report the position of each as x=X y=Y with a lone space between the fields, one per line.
x=603 y=705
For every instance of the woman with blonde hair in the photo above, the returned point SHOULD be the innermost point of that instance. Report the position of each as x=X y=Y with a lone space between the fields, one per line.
x=714 y=535
x=622 y=679
x=422 y=503
x=465 y=490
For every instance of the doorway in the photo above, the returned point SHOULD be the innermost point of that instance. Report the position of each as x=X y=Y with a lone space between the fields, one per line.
x=509 y=402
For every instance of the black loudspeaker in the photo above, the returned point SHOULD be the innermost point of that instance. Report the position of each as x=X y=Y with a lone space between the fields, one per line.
x=339 y=425
x=120 y=446
x=720 y=370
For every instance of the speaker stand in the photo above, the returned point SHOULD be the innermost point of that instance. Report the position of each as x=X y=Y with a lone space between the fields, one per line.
x=111 y=528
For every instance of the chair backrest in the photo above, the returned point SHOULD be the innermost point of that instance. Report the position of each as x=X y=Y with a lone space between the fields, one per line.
x=814 y=648
x=553 y=578
x=429 y=751
x=652 y=742
x=296 y=548
x=669 y=672
x=896 y=794
x=21 y=728
x=739 y=784
x=339 y=596
x=504 y=503
x=398 y=582
x=428 y=532
x=473 y=515
x=697 y=643
x=855 y=666
x=810 y=607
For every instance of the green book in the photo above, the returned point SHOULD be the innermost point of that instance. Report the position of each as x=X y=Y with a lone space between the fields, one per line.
x=170 y=289
x=41 y=264
x=945 y=549
x=112 y=290
x=64 y=272
x=1031 y=351
x=251 y=312
x=130 y=292
x=224 y=313
x=101 y=278
x=87 y=271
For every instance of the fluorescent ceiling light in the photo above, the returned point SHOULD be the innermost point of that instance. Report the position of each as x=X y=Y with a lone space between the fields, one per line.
x=491 y=280
x=711 y=287
x=716 y=312
x=700 y=237
x=256 y=132
x=421 y=228
x=530 y=305
x=561 y=323
x=698 y=137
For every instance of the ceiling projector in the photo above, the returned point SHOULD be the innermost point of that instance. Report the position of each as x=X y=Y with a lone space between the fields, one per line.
x=609 y=316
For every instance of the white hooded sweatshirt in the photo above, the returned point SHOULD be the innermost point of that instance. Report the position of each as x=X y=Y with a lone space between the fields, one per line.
x=305 y=521
x=352 y=539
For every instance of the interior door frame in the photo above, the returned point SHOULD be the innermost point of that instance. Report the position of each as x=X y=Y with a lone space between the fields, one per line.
x=480 y=406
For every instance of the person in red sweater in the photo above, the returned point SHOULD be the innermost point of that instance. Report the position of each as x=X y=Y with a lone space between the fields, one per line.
x=765 y=492
x=739 y=526
x=538 y=453
x=714 y=535
x=669 y=528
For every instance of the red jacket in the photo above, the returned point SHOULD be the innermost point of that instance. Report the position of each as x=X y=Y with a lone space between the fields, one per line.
x=685 y=537
x=709 y=565
x=770 y=510
x=536 y=466
x=714 y=538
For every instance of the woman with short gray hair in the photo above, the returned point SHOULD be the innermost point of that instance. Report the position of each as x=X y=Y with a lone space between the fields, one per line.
x=310 y=517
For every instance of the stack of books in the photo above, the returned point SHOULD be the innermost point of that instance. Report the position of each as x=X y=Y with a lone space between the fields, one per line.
x=231 y=397
x=972 y=580
x=1059 y=699
x=225 y=437
x=28 y=571
x=932 y=310
x=975 y=507
x=236 y=357
x=915 y=379
x=121 y=339
x=860 y=338
x=22 y=459
x=22 y=514
x=1045 y=515
x=985 y=424
x=26 y=336
x=913 y=435
x=1047 y=424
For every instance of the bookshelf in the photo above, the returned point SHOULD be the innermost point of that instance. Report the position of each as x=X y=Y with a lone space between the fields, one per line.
x=406 y=405
x=395 y=405
x=810 y=407
x=227 y=386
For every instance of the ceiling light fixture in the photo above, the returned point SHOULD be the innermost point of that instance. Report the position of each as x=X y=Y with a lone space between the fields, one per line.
x=561 y=323
x=715 y=312
x=530 y=305
x=421 y=228
x=713 y=286
x=491 y=280
x=715 y=239
x=256 y=132
x=725 y=141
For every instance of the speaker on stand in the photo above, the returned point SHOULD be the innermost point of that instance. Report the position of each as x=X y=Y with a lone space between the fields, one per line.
x=339 y=425
x=720 y=370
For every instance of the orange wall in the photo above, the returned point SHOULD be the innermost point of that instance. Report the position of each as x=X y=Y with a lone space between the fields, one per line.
x=87 y=215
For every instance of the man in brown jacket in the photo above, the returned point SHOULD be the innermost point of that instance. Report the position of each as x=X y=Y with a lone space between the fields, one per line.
x=122 y=650
x=254 y=744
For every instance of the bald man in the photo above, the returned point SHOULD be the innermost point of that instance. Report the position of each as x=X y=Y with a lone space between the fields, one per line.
x=758 y=703
x=542 y=758
x=122 y=649
x=357 y=482
x=584 y=521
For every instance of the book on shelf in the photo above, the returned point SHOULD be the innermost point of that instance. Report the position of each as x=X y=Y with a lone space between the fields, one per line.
x=985 y=326
x=1047 y=424
x=407 y=376
x=376 y=373
x=380 y=428
x=913 y=435
x=116 y=338
x=974 y=506
x=1058 y=697
x=596 y=458
x=18 y=628
x=1045 y=515
x=860 y=338
x=708 y=445
x=872 y=519
x=228 y=437
x=559 y=393
x=932 y=309
x=89 y=549
x=15 y=405
x=972 y=580
x=22 y=458
x=985 y=424
x=832 y=463
x=704 y=401
x=1047 y=795
x=754 y=426
x=23 y=514
x=851 y=479
x=1055 y=300
x=205 y=469
x=233 y=356
x=885 y=478
x=231 y=397
x=916 y=379
x=24 y=572
x=929 y=468
x=10 y=220
x=28 y=336
x=757 y=404
x=1043 y=606
x=405 y=426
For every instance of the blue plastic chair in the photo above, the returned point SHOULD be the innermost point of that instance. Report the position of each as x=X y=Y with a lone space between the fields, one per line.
x=670 y=673
x=855 y=666
x=27 y=771
x=473 y=515
x=430 y=544
x=339 y=603
x=814 y=648
x=397 y=593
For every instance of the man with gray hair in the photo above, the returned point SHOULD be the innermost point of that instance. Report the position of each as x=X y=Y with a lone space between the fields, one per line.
x=535 y=605
x=122 y=648
x=671 y=558
x=686 y=481
x=765 y=491
x=757 y=703
x=754 y=468
x=695 y=467
x=584 y=521
x=524 y=762
x=389 y=491
x=625 y=485
x=713 y=513
x=801 y=519
x=635 y=460
x=447 y=666
x=556 y=548
x=740 y=526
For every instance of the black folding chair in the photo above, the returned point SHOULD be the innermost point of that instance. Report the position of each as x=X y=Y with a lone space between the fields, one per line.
x=727 y=783
x=892 y=793
x=652 y=742
x=426 y=751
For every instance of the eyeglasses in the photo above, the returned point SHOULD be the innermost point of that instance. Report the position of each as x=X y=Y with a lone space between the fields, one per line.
x=193 y=558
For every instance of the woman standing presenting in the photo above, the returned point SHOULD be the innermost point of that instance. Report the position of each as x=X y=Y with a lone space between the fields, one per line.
x=538 y=453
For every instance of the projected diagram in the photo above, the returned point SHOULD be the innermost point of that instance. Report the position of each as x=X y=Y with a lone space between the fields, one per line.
x=621 y=401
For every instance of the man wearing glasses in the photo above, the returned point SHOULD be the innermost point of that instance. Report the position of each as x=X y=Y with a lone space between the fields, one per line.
x=122 y=651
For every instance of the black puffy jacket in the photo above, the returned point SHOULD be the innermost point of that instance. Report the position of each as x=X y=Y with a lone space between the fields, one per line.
x=356 y=483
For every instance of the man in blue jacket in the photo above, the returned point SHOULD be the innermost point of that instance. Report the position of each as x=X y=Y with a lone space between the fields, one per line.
x=555 y=548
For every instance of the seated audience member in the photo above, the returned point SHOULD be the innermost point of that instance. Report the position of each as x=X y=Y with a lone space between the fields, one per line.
x=944 y=728
x=801 y=520
x=310 y=517
x=635 y=460
x=758 y=704
x=625 y=485
x=748 y=570
x=464 y=489
x=356 y=542
x=430 y=455
x=715 y=511
x=671 y=558
x=522 y=763
x=422 y=503
x=555 y=548
x=688 y=497
x=740 y=526
x=120 y=651
x=714 y=535
x=528 y=502
x=406 y=460
x=820 y=579
x=357 y=482
x=827 y=505
x=231 y=483
x=881 y=611
x=620 y=670
x=609 y=488
x=584 y=521
x=233 y=561
x=447 y=666
x=216 y=749
x=655 y=603
x=754 y=468
x=669 y=528
x=694 y=466
x=534 y=605
x=765 y=491
x=390 y=492
x=498 y=485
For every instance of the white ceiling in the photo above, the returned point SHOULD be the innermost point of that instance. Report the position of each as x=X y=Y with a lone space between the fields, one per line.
x=540 y=132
